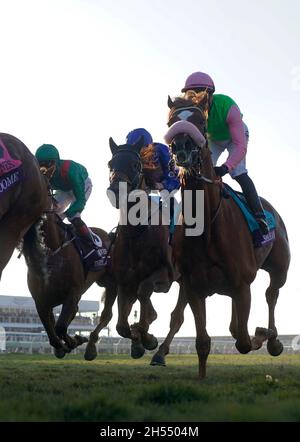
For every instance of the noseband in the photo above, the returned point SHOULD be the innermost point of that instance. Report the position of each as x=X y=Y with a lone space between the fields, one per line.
x=134 y=182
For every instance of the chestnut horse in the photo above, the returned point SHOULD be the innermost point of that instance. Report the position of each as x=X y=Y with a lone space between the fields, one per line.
x=142 y=255
x=23 y=194
x=56 y=276
x=223 y=259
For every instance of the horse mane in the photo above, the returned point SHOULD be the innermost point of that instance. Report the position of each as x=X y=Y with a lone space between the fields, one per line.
x=34 y=238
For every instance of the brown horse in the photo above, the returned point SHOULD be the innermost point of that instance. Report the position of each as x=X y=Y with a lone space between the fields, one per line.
x=223 y=259
x=22 y=194
x=57 y=276
x=142 y=256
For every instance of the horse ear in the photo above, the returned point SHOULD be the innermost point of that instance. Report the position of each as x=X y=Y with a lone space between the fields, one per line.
x=170 y=102
x=139 y=144
x=113 y=146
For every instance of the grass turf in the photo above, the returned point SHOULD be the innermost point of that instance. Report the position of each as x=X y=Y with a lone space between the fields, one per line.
x=117 y=388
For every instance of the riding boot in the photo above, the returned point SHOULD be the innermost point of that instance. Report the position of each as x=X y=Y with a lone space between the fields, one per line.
x=85 y=234
x=253 y=201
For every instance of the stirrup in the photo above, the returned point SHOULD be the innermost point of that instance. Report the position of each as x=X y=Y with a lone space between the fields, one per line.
x=263 y=225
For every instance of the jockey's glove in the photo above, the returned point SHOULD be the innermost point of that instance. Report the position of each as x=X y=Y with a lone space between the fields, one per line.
x=221 y=170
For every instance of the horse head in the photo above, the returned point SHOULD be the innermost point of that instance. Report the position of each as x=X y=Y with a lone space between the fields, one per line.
x=187 y=132
x=125 y=169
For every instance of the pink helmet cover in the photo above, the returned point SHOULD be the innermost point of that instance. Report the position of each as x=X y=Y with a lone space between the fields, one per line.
x=198 y=79
x=185 y=127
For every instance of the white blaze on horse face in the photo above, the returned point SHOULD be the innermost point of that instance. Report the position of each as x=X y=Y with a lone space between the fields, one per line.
x=184 y=115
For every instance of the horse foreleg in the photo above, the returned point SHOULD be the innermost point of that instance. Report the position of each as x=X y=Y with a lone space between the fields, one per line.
x=233 y=323
x=68 y=313
x=47 y=319
x=242 y=300
x=147 y=316
x=106 y=315
x=177 y=318
x=202 y=340
x=147 y=313
x=274 y=346
x=126 y=299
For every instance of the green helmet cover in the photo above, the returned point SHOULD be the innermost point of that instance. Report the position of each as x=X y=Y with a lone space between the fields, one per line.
x=47 y=152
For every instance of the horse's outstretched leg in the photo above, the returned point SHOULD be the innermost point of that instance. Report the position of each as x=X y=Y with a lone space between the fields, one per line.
x=242 y=301
x=147 y=316
x=202 y=340
x=274 y=346
x=276 y=264
x=233 y=323
x=106 y=315
x=68 y=312
x=175 y=324
x=158 y=281
x=47 y=319
x=126 y=299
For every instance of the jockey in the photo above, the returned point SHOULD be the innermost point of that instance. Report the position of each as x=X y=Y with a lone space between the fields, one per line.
x=158 y=168
x=73 y=188
x=226 y=130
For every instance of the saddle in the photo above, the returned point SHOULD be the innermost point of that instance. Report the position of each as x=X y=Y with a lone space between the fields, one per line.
x=93 y=258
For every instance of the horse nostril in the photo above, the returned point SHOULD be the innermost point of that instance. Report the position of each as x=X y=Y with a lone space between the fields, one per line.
x=181 y=156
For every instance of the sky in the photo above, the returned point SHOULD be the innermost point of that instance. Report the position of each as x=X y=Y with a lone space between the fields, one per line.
x=75 y=72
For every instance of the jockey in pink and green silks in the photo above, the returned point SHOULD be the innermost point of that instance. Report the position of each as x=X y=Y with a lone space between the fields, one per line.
x=227 y=131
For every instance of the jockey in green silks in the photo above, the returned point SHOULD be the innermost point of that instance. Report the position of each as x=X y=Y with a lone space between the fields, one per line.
x=73 y=187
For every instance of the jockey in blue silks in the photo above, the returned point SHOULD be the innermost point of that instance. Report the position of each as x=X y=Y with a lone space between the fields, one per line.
x=158 y=167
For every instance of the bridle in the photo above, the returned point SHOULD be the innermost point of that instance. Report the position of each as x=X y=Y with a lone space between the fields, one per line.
x=122 y=177
x=195 y=170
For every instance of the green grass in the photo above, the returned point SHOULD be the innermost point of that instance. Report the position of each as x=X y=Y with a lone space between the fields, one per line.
x=117 y=388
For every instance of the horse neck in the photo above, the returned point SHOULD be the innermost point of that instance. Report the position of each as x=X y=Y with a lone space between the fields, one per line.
x=212 y=196
x=52 y=231
x=41 y=237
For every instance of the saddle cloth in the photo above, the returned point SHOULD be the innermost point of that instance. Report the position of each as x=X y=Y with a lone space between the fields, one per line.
x=93 y=259
x=259 y=239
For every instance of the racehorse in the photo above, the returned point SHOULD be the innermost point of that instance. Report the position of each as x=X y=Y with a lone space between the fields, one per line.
x=22 y=194
x=57 y=276
x=142 y=256
x=223 y=259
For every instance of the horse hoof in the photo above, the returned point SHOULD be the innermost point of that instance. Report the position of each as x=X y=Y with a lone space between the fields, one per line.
x=243 y=348
x=149 y=342
x=274 y=347
x=59 y=353
x=90 y=352
x=265 y=333
x=158 y=359
x=137 y=351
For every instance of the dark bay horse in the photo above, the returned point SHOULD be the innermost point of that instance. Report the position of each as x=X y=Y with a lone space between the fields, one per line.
x=22 y=194
x=56 y=276
x=142 y=256
x=223 y=259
